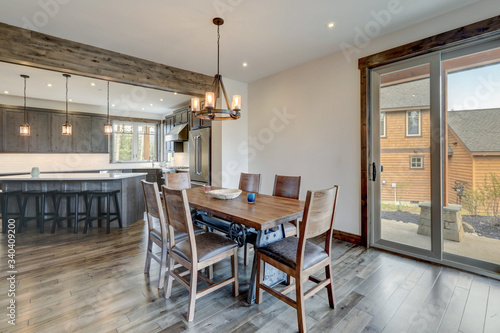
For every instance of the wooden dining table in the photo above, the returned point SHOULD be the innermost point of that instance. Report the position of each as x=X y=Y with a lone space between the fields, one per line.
x=265 y=216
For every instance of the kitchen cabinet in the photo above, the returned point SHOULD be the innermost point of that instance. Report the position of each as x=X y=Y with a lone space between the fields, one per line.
x=59 y=143
x=154 y=175
x=39 y=140
x=12 y=141
x=181 y=116
x=169 y=124
x=82 y=131
x=2 y=129
x=195 y=122
x=99 y=140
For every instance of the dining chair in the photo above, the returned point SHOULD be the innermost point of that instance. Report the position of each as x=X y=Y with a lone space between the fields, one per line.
x=194 y=252
x=249 y=182
x=288 y=187
x=154 y=211
x=298 y=257
x=180 y=180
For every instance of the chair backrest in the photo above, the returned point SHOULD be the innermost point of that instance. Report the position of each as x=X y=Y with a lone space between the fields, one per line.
x=178 y=181
x=287 y=186
x=319 y=215
x=178 y=215
x=154 y=208
x=250 y=182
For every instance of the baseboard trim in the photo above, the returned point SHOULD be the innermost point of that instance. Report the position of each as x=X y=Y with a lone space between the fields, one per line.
x=347 y=237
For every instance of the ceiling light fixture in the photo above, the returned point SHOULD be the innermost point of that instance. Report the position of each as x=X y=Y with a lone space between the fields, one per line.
x=5 y=92
x=92 y=84
x=49 y=85
x=108 y=128
x=245 y=64
x=24 y=129
x=66 y=127
x=210 y=112
x=331 y=25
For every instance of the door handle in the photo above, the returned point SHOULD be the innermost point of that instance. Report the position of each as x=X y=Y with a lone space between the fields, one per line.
x=374 y=171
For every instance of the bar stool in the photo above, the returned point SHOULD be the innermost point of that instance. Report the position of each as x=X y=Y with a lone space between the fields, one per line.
x=106 y=196
x=4 y=211
x=40 y=198
x=76 y=215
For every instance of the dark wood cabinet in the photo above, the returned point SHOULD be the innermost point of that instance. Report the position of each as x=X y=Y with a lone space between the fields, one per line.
x=13 y=142
x=181 y=116
x=153 y=175
x=39 y=140
x=169 y=124
x=2 y=129
x=99 y=141
x=82 y=131
x=195 y=122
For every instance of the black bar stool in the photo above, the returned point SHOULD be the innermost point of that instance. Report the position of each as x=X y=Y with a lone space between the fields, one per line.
x=4 y=211
x=40 y=199
x=75 y=215
x=108 y=215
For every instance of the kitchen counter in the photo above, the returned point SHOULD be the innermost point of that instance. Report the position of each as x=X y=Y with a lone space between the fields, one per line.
x=72 y=176
x=130 y=198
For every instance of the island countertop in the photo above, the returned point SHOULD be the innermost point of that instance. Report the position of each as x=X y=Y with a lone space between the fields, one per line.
x=72 y=177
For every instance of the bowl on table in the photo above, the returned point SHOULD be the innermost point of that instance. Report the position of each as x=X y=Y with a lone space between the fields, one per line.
x=225 y=193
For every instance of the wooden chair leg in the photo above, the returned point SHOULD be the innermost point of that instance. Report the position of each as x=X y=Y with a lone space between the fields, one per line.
x=246 y=256
x=163 y=266
x=210 y=270
x=170 y=278
x=329 y=287
x=234 y=263
x=192 y=292
x=260 y=279
x=148 y=255
x=301 y=311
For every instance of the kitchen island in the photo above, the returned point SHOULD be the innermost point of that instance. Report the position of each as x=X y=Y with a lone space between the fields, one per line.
x=130 y=197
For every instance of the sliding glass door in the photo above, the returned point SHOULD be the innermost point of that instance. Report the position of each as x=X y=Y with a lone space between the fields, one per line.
x=435 y=156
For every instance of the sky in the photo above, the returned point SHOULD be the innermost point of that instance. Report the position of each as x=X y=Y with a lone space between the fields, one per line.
x=474 y=89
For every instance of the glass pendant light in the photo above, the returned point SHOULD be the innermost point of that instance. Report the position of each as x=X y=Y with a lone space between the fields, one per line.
x=66 y=127
x=108 y=128
x=24 y=129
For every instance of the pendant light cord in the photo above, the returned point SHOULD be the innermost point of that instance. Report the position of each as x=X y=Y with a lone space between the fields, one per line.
x=218 y=48
x=66 y=99
x=25 y=114
x=108 y=104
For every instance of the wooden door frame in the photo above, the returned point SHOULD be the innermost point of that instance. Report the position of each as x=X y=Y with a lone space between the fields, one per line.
x=466 y=34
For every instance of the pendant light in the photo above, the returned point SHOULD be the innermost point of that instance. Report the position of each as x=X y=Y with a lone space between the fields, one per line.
x=210 y=112
x=24 y=129
x=108 y=128
x=66 y=127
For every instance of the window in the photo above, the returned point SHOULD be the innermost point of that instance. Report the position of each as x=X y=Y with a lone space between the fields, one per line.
x=416 y=162
x=382 y=124
x=413 y=123
x=134 y=142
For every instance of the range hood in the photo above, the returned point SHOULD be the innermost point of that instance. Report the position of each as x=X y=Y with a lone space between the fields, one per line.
x=178 y=133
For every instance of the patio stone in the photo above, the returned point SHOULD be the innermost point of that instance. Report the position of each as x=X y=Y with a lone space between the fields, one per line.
x=452 y=221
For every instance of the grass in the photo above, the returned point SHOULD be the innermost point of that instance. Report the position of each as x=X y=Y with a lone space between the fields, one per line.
x=394 y=208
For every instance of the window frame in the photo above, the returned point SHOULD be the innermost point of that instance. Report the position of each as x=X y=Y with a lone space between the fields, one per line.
x=135 y=141
x=419 y=123
x=422 y=166
x=384 y=127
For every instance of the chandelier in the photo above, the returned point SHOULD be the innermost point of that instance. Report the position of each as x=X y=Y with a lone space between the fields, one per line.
x=210 y=112
x=24 y=129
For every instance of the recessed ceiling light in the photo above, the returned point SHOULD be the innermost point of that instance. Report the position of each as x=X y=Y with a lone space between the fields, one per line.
x=151 y=104
x=413 y=95
x=70 y=100
x=49 y=84
x=5 y=92
x=161 y=99
x=245 y=64
x=112 y=105
x=331 y=25
x=175 y=93
x=92 y=84
x=142 y=109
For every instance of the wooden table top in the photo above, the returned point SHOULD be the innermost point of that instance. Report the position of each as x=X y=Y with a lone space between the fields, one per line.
x=267 y=211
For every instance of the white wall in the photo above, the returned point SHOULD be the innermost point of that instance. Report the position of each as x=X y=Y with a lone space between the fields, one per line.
x=227 y=160
x=321 y=138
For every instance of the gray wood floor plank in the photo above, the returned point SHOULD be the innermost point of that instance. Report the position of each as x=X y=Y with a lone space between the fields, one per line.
x=475 y=308
x=492 y=322
x=453 y=315
x=354 y=322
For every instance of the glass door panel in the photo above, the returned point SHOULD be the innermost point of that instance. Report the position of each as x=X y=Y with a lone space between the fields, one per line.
x=471 y=215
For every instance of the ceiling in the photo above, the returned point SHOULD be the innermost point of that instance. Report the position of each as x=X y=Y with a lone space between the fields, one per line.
x=269 y=35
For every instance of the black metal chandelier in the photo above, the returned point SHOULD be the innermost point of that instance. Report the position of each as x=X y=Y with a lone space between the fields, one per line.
x=210 y=112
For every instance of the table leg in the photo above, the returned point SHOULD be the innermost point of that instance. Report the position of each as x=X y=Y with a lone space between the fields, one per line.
x=272 y=275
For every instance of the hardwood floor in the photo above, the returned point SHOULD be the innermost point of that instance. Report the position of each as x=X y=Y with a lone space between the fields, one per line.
x=95 y=283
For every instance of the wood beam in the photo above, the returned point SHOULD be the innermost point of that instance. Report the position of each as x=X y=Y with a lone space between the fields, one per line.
x=29 y=48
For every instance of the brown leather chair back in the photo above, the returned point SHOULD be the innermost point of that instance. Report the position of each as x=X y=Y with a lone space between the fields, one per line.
x=153 y=206
x=319 y=214
x=178 y=181
x=287 y=186
x=250 y=182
